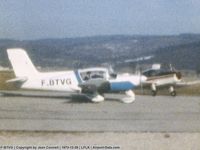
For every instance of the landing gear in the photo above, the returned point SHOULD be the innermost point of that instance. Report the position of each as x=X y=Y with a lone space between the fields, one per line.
x=153 y=93
x=153 y=90
x=130 y=97
x=172 y=91
x=97 y=99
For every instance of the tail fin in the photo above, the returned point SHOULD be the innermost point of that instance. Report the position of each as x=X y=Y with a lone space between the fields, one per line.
x=21 y=63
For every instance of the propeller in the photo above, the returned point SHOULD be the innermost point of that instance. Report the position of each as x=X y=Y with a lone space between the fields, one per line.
x=142 y=78
x=141 y=81
x=110 y=69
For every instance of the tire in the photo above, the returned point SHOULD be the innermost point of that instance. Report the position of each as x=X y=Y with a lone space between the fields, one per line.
x=153 y=93
x=173 y=93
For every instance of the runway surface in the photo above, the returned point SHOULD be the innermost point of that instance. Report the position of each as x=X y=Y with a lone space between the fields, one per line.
x=146 y=114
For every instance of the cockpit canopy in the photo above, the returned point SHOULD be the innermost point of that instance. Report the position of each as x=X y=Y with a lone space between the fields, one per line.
x=159 y=71
x=93 y=74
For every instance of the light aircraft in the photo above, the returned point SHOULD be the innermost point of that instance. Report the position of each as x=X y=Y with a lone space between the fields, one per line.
x=162 y=77
x=91 y=82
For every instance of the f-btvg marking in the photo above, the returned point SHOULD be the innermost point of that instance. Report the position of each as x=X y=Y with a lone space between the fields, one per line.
x=56 y=82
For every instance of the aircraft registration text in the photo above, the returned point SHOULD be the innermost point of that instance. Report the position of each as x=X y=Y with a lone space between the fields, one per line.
x=56 y=82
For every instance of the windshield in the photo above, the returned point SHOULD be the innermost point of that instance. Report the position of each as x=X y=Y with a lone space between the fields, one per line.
x=92 y=75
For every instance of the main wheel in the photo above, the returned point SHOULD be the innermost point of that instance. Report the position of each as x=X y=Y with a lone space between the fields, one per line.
x=173 y=93
x=153 y=93
x=97 y=99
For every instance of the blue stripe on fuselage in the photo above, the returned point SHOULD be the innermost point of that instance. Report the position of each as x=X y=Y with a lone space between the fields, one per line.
x=77 y=76
x=121 y=86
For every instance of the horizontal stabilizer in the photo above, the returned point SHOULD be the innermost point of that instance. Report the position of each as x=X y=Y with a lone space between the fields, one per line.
x=20 y=79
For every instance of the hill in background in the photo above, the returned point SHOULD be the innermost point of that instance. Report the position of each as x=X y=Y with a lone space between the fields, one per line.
x=183 y=51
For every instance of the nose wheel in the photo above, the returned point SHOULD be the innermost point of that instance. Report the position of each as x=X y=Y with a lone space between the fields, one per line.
x=153 y=90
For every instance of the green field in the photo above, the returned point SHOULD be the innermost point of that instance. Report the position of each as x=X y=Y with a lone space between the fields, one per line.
x=4 y=76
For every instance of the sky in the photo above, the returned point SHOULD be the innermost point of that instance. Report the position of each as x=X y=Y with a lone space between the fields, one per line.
x=39 y=19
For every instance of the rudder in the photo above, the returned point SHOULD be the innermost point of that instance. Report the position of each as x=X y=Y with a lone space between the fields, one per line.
x=21 y=63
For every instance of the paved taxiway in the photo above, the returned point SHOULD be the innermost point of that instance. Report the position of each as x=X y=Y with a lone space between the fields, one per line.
x=146 y=114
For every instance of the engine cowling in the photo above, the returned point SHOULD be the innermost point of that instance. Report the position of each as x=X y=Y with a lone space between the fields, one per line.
x=178 y=75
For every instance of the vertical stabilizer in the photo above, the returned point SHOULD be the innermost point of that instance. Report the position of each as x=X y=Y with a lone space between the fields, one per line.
x=21 y=63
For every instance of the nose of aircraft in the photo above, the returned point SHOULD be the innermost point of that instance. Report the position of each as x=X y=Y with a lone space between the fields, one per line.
x=178 y=75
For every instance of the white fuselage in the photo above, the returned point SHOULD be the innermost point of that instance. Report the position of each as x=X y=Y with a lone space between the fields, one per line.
x=163 y=80
x=89 y=80
x=57 y=81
